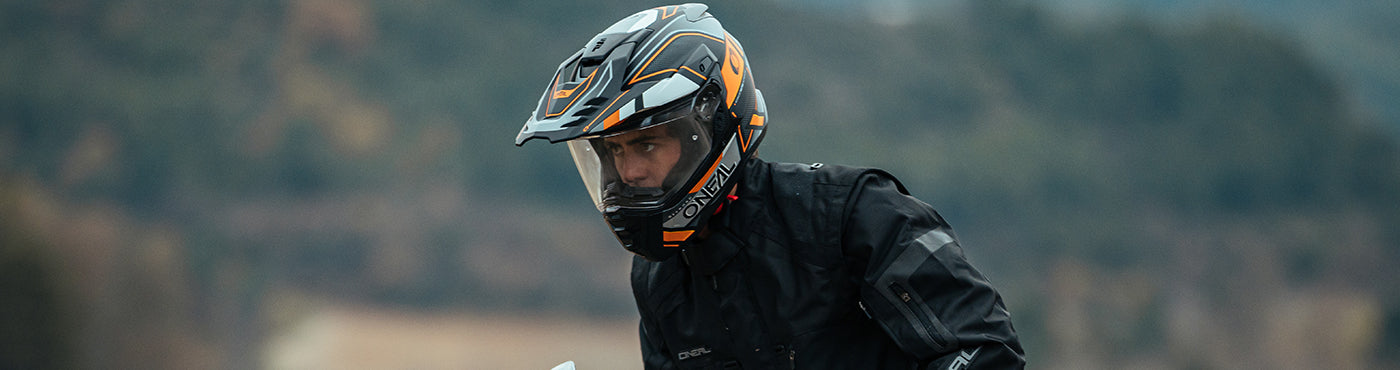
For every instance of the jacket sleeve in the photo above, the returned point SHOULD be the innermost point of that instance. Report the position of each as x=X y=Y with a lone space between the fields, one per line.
x=917 y=284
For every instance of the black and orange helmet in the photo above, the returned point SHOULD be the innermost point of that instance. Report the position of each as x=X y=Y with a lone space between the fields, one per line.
x=659 y=111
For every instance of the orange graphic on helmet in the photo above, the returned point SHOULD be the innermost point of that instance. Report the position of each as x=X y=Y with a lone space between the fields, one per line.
x=733 y=75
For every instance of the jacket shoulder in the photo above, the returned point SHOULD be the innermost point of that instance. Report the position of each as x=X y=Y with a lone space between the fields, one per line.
x=802 y=184
x=811 y=200
x=797 y=174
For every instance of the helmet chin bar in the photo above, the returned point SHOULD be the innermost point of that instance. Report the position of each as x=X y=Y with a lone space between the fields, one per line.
x=616 y=191
x=640 y=233
x=645 y=231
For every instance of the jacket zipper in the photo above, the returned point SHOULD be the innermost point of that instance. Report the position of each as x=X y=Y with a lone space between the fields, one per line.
x=926 y=324
x=792 y=358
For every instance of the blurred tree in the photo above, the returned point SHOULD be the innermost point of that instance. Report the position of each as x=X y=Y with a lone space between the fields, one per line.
x=36 y=323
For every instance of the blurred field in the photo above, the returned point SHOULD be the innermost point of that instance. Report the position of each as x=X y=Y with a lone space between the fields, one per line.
x=381 y=338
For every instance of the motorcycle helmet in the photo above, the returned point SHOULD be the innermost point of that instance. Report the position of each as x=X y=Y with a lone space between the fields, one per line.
x=659 y=112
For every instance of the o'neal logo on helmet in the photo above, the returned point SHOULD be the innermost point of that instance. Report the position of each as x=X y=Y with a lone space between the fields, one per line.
x=711 y=189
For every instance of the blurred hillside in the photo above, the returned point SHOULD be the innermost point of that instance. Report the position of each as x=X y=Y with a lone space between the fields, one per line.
x=1354 y=40
x=181 y=183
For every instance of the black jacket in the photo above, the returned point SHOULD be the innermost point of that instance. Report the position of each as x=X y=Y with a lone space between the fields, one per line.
x=822 y=267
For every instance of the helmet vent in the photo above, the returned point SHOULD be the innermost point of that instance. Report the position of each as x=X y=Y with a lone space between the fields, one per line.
x=586 y=111
x=596 y=101
x=574 y=122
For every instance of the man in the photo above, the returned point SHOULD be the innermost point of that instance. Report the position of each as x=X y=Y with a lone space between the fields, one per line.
x=743 y=263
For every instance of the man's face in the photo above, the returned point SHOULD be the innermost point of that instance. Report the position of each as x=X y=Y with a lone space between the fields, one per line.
x=644 y=157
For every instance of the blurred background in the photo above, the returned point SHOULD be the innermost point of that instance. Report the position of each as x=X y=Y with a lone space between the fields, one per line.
x=310 y=184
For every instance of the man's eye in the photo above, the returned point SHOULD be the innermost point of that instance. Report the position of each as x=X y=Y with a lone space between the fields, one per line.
x=648 y=147
x=615 y=150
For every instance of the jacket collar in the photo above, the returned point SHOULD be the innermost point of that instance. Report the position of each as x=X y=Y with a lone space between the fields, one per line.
x=726 y=230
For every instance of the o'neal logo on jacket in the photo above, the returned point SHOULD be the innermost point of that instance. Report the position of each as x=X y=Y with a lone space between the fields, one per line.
x=692 y=353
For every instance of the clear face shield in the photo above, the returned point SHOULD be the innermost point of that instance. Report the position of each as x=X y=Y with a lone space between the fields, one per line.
x=643 y=168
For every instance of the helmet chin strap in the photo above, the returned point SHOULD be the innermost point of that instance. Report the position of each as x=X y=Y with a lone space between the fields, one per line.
x=705 y=231
x=727 y=199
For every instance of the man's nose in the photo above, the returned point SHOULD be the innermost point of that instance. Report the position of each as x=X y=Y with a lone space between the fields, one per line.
x=634 y=172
